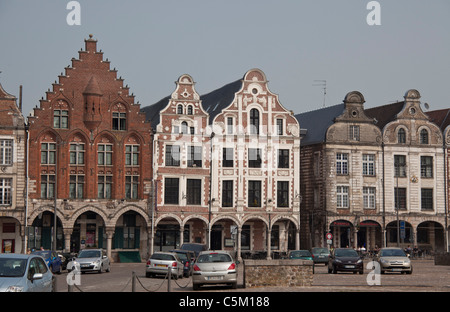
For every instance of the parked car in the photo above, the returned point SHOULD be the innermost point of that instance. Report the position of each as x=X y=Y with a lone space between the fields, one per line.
x=300 y=254
x=187 y=257
x=345 y=259
x=66 y=257
x=214 y=267
x=25 y=273
x=394 y=260
x=52 y=259
x=320 y=255
x=161 y=262
x=195 y=247
x=90 y=260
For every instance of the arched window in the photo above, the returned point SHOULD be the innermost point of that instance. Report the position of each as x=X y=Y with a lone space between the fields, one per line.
x=184 y=127
x=189 y=110
x=423 y=136
x=180 y=109
x=401 y=136
x=254 y=121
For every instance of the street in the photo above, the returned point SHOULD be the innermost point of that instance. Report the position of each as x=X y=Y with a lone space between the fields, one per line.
x=426 y=277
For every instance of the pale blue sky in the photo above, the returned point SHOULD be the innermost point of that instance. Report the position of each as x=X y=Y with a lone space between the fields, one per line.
x=152 y=43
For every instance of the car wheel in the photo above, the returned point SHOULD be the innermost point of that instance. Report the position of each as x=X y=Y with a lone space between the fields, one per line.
x=196 y=286
x=234 y=285
x=101 y=268
x=109 y=268
x=334 y=270
x=329 y=270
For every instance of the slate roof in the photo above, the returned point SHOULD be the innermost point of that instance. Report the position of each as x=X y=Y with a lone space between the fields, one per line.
x=440 y=117
x=384 y=114
x=152 y=111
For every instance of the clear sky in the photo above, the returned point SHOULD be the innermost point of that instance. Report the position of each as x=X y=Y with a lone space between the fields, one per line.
x=295 y=42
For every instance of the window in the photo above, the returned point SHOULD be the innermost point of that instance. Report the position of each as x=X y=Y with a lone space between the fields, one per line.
x=426 y=166
x=173 y=155
x=227 y=159
x=400 y=198
x=368 y=164
x=353 y=134
x=171 y=191
x=48 y=153
x=427 y=199
x=400 y=165
x=341 y=163
x=401 y=136
x=189 y=110
x=283 y=158
x=180 y=109
x=342 y=196
x=254 y=193
x=423 y=136
x=131 y=187
x=283 y=194
x=47 y=186
x=194 y=192
x=60 y=119
x=76 y=186
x=119 y=121
x=105 y=154
x=227 y=194
x=254 y=158
x=104 y=186
x=6 y=152
x=184 y=127
x=280 y=126
x=5 y=191
x=369 y=197
x=132 y=155
x=77 y=154
x=254 y=121
x=194 y=156
x=229 y=125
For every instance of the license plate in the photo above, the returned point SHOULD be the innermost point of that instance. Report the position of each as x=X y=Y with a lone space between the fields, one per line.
x=321 y=256
x=349 y=266
x=162 y=265
x=396 y=270
x=214 y=278
x=84 y=265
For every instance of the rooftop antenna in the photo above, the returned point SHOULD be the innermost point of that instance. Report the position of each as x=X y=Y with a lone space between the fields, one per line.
x=323 y=84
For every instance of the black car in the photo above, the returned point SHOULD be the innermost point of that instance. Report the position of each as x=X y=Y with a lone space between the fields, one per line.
x=195 y=247
x=345 y=259
x=188 y=258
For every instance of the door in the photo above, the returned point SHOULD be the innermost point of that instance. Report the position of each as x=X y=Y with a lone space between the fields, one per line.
x=216 y=239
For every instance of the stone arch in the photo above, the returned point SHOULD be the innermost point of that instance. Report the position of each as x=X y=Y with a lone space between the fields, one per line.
x=95 y=209
x=127 y=208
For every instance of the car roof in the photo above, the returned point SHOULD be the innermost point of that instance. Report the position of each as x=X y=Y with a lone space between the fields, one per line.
x=17 y=256
x=214 y=251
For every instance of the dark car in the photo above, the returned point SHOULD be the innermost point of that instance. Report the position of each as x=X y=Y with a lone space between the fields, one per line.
x=320 y=255
x=188 y=258
x=195 y=247
x=54 y=262
x=345 y=259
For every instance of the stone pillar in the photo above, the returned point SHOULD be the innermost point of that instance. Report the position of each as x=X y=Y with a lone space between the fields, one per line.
x=269 y=247
x=181 y=236
x=297 y=239
x=109 y=236
x=239 y=231
x=67 y=235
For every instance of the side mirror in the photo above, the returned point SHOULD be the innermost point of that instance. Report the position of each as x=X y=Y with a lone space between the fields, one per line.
x=37 y=276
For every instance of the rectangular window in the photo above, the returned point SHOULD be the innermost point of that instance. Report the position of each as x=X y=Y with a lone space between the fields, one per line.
x=76 y=186
x=173 y=155
x=426 y=166
x=427 y=199
x=48 y=153
x=280 y=126
x=400 y=198
x=227 y=159
x=400 y=165
x=61 y=119
x=104 y=186
x=353 y=134
x=254 y=193
x=369 y=197
x=194 y=156
x=368 y=164
x=5 y=191
x=254 y=158
x=131 y=187
x=342 y=196
x=341 y=163
x=105 y=154
x=119 y=121
x=283 y=158
x=47 y=186
x=6 y=149
x=227 y=194
x=132 y=155
x=229 y=125
x=283 y=194
x=77 y=154
x=171 y=191
x=194 y=192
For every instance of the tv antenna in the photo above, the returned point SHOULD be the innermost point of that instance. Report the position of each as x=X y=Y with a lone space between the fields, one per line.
x=323 y=84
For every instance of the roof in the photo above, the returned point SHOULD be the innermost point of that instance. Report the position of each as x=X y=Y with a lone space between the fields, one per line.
x=317 y=123
x=385 y=114
x=152 y=111
x=440 y=117
x=92 y=87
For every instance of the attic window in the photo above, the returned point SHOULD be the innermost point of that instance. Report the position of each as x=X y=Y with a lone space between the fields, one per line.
x=255 y=91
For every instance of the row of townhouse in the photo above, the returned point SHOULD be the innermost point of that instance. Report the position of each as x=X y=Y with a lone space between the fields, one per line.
x=232 y=169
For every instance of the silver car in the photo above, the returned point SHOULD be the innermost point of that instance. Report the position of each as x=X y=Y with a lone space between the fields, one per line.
x=90 y=260
x=214 y=267
x=162 y=262
x=25 y=273
x=394 y=260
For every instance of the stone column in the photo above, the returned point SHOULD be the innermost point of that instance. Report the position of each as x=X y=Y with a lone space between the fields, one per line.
x=109 y=236
x=269 y=247
x=239 y=231
x=67 y=235
x=297 y=239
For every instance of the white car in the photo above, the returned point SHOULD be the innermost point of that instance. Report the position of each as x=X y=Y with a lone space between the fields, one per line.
x=90 y=260
x=214 y=267
x=162 y=262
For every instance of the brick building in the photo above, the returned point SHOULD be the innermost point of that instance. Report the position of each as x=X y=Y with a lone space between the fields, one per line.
x=12 y=174
x=90 y=154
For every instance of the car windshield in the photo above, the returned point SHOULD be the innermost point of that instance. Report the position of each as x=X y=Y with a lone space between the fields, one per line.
x=44 y=253
x=182 y=256
x=158 y=256
x=89 y=254
x=214 y=257
x=12 y=267
x=300 y=253
x=320 y=250
x=346 y=253
x=392 y=253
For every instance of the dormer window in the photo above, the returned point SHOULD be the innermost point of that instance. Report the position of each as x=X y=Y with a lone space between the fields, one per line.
x=180 y=109
x=423 y=136
x=254 y=121
x=61 y=119
x=401 y=136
